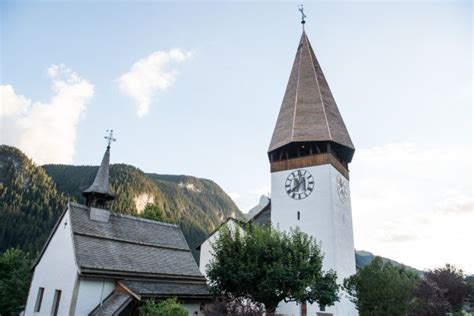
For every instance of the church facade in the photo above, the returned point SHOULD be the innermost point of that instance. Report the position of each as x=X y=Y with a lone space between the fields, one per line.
x=309 y=154
x=97 y=262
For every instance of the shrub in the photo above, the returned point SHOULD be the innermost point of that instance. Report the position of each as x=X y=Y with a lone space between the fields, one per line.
x=168 y=307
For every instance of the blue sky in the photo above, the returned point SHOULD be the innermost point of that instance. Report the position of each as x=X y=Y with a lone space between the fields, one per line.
x=401 y=73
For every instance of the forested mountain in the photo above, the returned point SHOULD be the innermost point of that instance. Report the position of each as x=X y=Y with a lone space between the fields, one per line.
x=29 y=202
x=32 y=197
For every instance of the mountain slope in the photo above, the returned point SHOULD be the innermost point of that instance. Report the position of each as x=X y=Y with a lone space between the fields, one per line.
x=29 y=202
x=198 y=205
x=363 y=258
x=32 y=197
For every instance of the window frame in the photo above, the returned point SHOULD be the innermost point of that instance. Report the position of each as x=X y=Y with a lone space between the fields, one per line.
x=56 y=302
x=39 y=299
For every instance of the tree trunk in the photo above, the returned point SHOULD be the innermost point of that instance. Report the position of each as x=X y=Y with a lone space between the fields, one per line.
x=270 y=311
x=304 y=309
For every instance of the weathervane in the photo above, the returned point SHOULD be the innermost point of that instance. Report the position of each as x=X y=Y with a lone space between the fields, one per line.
x=303 y=16
x=110 y=138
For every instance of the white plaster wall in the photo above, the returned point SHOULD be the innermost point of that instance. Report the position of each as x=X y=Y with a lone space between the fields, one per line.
x=56 y=270
x=328 y=219
x=90 y=293
x=206 y=247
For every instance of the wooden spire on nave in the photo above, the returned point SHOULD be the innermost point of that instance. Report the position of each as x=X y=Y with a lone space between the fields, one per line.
x=98 y=194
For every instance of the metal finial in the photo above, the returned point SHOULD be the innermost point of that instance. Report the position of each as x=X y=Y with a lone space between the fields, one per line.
x=110 y=138
x=303 y=16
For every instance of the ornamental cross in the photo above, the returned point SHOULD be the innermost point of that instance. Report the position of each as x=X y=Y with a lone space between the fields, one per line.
x=110 y=138
x=303 y=16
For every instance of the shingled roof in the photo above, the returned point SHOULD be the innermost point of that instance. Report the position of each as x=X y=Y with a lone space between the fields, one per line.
x=167 y=289
x=113 y=305
x=116 y=244
x=308 y=111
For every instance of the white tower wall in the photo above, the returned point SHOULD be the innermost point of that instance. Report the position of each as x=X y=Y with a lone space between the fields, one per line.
x=327 y=217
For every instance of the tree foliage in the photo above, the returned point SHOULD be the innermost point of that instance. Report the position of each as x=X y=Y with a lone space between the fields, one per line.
x=430 y=299
x=453 y=284
x=29 y=202
x=155 y=213
x=224 y=305
x=15 y=278
x=470 y=283
x=267 y=266
x=381 y=289
x=168 y=307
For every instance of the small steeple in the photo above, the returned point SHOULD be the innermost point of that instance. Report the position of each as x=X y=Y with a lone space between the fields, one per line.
x=98 y=194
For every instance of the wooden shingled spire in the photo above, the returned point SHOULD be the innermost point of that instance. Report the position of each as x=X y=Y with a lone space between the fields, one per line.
x=98 y=194
x=309 y=116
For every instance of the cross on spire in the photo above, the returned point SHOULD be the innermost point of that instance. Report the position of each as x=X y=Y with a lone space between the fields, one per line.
x=303 y=16
x=110 y=138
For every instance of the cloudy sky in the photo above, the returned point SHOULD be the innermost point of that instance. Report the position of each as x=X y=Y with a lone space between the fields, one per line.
x=195 y=89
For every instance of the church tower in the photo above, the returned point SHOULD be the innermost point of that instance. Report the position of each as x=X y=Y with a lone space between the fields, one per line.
x=309 y=154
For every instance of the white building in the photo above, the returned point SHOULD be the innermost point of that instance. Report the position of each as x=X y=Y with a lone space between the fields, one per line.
x=97 y=262
x=309 y=155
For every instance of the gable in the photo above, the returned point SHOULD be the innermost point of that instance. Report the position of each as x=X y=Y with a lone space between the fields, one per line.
x=55 y=269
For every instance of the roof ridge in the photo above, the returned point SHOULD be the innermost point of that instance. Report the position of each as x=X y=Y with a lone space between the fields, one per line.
x=134 y=242
x=102 y=269
x=296 y=90
x=76 y=204
x=323 y=105
x=141 y=219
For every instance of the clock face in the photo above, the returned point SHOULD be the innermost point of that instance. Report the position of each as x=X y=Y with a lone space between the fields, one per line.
x=342 y=190
x=299 y=184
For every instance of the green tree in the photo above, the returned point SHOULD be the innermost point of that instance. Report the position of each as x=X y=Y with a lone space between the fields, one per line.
x=267 y=266
x=15 y=278
x=470 y=283
x=154 y=212
x=168 y=307
x=381 y=289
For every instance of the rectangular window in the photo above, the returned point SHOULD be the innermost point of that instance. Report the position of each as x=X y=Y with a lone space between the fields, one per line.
x=57 y=299
x=39 y=299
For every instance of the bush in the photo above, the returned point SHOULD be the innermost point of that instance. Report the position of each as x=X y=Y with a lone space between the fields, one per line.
x=15 y=278
x=228 y=306
x=168 y=307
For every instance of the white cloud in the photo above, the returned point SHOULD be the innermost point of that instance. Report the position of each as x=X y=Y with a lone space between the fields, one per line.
x=149 y=75
x=46 y=131
x=414 y=204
